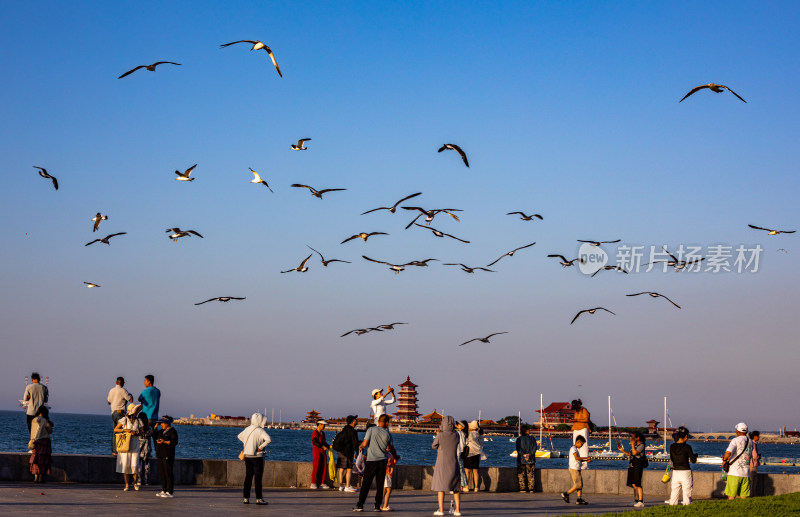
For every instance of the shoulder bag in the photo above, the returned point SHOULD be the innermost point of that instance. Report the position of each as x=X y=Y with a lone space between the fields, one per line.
x=123 y=440
x=241 y=454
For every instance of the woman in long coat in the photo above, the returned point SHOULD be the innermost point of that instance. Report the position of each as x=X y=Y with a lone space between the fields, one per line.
x=446 y=477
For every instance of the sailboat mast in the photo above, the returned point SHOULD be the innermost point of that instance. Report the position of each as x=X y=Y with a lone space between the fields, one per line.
x=609 y=424
x=541 y=415
x=665 y=424
x=519 y=423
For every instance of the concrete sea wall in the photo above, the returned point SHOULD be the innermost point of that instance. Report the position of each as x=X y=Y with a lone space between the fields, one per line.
x=74 y=468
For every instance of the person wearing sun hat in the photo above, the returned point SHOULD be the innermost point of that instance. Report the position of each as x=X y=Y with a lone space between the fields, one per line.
x=737 y=456
x=378 y=405
x=319 y=452
x=128 y=462
x=166 y=439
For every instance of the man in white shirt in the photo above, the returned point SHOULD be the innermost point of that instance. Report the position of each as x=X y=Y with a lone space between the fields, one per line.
x=738 y=456
x=36 y=395
x=118 y=398
x=379 y=402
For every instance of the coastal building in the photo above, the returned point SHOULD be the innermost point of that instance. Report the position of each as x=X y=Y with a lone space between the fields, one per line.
x=554 y=414
x=311 y=417
x=407 y=402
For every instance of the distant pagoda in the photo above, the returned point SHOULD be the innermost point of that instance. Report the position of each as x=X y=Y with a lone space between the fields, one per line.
x=407 y=402
x=311 y=417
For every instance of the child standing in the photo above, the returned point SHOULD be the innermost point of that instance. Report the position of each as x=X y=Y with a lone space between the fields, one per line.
x=166 y=441
x=576 y=462
x=681 y=453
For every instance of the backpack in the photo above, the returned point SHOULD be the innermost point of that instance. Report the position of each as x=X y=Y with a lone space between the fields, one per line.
x=337 y=442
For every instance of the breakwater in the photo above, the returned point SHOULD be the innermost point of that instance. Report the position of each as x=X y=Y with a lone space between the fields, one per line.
x=79 y=468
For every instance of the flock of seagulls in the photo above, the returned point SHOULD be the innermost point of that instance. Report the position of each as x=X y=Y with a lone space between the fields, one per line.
x=428 y=214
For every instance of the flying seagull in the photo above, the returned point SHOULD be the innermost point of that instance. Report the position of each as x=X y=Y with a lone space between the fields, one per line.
x=771 y=232
x=99 y=217
x=398 y=267
x=257 y=45
x=454 y=147
x=221 y=299
x=783 y=250
x=440 y=234
x=104 y=240
x=393 y=207
x=564 y=261
x=390 y=326
x=299 y=146
x=185 y=176
x=90 y=285
x=655 y=295
x=178 y=233
x=151 y=68
x=43 y=173
x=257 y=179
x=421 y=263
x=510 y=253
x=526 y=217
x=482 y=339
x=714 y=88
x=301 y=268
x=675 y=263
x=598 y=243
x=430 y=214
x=359 y=332
x=315 y=192
x=590 y=311
x=326 y=262
x=609 y=268
x=468 y=269
x=363 y=236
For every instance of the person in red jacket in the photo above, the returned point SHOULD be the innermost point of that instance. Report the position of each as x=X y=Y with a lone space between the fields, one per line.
x=319 y=450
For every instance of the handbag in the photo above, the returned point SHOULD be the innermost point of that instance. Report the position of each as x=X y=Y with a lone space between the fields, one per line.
x=726 y=465
x=666 y=477
x=241 y=454
x=123 y=442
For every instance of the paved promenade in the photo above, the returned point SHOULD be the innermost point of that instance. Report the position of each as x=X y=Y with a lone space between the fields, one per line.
x=89 y=500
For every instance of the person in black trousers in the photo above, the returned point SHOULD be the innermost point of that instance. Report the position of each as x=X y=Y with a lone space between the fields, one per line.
x=166 y=441
x=378 y=442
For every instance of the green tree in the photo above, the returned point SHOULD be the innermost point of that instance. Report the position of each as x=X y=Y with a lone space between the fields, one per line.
x=511 y=420
x=562 y=427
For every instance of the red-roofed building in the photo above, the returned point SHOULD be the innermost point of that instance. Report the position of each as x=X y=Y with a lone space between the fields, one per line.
x=556 y=413
x=407 y=402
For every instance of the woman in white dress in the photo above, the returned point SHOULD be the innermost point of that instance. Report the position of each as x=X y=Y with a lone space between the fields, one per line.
x=128 y=462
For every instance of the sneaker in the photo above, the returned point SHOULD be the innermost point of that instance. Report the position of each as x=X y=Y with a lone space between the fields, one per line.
x=350 y=489
x=136 y=487
x=246 y=501
x=358 y=508
x=376 y=509
x=261 y=501
x=386 y=509
x=313 y=486
x=438 y=513
x=324 y=486
x=126 y=489
x=160 y=494
x=167 y=494
x=341 y=488
x=639 y=504
x=581 y=501
x=565 y=497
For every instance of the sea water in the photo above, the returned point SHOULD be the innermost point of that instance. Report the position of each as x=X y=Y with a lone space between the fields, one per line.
x=91 y=434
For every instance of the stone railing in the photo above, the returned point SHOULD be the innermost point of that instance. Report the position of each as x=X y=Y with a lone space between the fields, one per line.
x=73 y=468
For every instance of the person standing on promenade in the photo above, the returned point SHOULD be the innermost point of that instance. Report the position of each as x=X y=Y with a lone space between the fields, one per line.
x=387 y=482
x=39 y=444
x=36 y=395
x=472 y=456
x=150 y=398
x=445 y=471
x=755 y=458
x=377 y=441
x=379 y=402
x=635 y=467
x=461 y=429
x=345 y=445
x=738 y=483
x=319 y=449
x=166 y=440
x=146 y=428
x=526 y=459
x=255 y=440
x=580 y=426
x=128 y=462
x=118 y=398
x=681 y=454
x=576 y=462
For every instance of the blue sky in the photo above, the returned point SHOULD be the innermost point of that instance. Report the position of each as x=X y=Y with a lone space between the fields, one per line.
x=567 y=110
